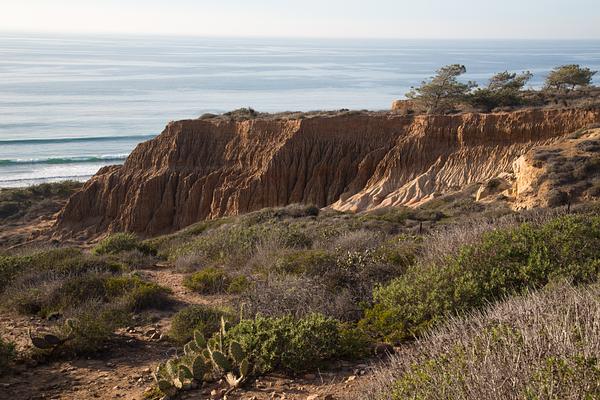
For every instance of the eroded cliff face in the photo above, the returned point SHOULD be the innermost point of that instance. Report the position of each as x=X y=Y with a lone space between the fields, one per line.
x=200 y=169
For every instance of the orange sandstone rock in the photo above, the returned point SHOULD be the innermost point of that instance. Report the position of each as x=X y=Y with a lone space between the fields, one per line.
x=208 y=168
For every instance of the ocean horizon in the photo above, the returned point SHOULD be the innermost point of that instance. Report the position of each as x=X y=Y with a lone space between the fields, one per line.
x=70 y=104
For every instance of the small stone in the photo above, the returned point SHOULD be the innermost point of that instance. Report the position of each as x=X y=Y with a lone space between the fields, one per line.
x=310 y=377
x=214 y=393
x=150 y=332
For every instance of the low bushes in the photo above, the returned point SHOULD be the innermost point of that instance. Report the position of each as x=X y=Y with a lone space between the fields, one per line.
x=68 y=291
x=208 y=281
x=94 y=325
x=120 y=242
x=299 y=296
x=503 y=263
x=38 y=264
x=20 y=201
x=195 y=318
x=540 y=346
x=137 y=294
x=296 y=345
x=90 y=289
x=213 y=280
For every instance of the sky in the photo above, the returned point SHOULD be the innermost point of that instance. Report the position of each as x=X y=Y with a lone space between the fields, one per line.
x=482 y=19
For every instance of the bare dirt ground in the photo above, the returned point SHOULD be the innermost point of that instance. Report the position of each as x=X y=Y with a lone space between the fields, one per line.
x=124 y=371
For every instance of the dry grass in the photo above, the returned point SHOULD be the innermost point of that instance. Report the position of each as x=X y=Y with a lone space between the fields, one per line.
x=540 y=346
x=299 y=296
x=448 y=239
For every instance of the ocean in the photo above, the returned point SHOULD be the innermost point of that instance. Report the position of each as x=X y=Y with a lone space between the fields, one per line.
x=72 y=104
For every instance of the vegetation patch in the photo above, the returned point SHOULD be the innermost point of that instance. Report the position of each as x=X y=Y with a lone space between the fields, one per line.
x=210 y=280
x=198 y=317
x=121 y=242
x=471 y=357
x=296 y=345
x=503 y=263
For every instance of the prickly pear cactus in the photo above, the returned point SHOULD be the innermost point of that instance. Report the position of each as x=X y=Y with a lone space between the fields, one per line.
x=203 y=359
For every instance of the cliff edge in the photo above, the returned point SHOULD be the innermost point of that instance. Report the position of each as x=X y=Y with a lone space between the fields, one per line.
x=208 y=168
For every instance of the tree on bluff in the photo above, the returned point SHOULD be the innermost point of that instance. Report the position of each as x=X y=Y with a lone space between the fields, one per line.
x=569 y=76
x=443 y=91
x=504 y=89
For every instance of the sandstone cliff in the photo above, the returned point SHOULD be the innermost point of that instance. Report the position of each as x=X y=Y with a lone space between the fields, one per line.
x=207 y=168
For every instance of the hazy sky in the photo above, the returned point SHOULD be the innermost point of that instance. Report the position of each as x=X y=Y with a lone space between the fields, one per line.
x=311 y=18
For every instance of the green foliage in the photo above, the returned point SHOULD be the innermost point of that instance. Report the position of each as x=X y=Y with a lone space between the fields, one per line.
x=16 y=202
x=94 y=325
x=569 y=76
x=504 y=89
x=238 y=285
x=120 y=242
x=305 y=261
x=71 y=291
x=195 y=318
x=7 y=355
x=555 y=378
x=63 y=261
x=421 y=383
x=293 y=345
x=138 y=294
x=504 y=262
x=544 y=343
x=210 y=280
x=443 y=92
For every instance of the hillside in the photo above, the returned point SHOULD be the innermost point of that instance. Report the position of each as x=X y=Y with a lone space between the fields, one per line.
x=213 y=167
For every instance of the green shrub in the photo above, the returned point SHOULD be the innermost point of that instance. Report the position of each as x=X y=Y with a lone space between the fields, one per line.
x=7 y=355
x=138 y=294
x=120 y=242
x=293 y=345
x=74 y=291
x=70 y=291
x=238 y=285
x=504 y=262
x=95 y=323
x=195 y=317
x=544 y=343
x=61 y=261
x=305 y=262
x=208 y=281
